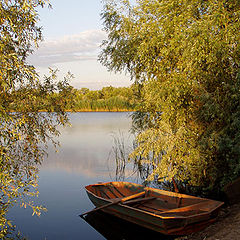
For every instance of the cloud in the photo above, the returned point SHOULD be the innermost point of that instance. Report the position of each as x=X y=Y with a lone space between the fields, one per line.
x=80 y=47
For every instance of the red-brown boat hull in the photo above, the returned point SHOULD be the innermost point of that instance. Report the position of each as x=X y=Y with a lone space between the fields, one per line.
x=168 y=213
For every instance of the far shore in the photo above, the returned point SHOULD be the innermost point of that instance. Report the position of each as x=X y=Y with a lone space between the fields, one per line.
x=84 y=110
x=96 y=110
x=100 y=110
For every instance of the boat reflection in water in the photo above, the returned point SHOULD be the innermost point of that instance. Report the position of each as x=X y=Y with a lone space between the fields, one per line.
x=114 y=228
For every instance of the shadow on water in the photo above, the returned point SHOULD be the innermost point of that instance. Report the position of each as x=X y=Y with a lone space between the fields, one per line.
x=114 y=228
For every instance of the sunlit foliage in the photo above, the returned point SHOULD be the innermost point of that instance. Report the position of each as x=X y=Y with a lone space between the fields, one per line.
x=106 y=99
x=84 y=99
x=186 y=56
x=24 y=133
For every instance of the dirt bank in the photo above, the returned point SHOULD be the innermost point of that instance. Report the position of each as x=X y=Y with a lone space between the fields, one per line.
x=227 y=226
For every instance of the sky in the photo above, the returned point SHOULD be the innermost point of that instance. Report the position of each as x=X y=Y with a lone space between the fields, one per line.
x=72 y=32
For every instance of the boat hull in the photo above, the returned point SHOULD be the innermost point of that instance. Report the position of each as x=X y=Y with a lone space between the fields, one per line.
x=167 y=223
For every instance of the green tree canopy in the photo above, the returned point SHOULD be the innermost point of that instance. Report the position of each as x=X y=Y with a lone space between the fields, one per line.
x=24 y=132
x=186 y=56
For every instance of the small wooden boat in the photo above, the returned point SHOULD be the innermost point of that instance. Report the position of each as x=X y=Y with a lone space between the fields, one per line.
x=166 y=212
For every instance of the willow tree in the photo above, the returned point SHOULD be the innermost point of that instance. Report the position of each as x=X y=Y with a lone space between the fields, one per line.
x=24 y=132
x=186 y=56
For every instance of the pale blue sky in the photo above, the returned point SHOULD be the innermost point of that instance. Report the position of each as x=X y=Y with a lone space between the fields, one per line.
x=69 y=17
x=72 y=34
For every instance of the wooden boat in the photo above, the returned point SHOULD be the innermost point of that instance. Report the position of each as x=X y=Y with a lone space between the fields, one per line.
x=166 y=212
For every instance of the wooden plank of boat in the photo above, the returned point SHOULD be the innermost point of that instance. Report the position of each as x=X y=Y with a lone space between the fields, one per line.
x=116 y=201
x=166 y=212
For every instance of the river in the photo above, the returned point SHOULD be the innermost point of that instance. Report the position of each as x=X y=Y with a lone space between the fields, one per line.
x=85 y=157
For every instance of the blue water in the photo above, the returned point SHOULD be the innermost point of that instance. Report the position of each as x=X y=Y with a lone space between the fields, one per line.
x=85 y=157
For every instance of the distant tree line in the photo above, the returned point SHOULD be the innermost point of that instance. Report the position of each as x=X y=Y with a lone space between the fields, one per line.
x=84 y=99
x=106 y=99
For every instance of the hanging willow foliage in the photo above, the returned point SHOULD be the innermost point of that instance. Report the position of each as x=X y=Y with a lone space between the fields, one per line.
x=186 y=56
x=25 y=132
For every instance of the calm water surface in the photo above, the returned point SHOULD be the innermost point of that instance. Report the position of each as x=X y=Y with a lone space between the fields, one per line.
x=84 y=158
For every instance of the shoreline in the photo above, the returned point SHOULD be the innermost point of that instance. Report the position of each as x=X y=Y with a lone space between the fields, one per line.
x=84 y=110
x=100 y=111
x=227 y=226
x=97 y=110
